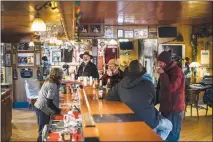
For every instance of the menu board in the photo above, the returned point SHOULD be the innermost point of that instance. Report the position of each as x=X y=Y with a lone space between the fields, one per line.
x=204 y=57
x=141 y=33
x=128 y=34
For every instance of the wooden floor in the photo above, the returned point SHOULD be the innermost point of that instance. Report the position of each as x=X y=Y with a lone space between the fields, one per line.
x=25 y=126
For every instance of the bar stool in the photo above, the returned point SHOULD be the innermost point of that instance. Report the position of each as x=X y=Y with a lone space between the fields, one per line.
x=192 y=98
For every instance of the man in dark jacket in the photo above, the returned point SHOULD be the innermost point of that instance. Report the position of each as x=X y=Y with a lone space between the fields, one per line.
x=138 y=94
x=171 y=90
x=87 y=68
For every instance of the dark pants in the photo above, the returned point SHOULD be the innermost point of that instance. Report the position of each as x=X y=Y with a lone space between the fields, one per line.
x=43 y=119
x=176 y=118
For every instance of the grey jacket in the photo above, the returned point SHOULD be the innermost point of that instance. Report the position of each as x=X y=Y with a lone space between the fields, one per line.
x=48 y=91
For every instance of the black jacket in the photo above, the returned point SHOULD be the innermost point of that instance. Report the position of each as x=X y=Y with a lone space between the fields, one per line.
x=139 y=95
x=90 y=70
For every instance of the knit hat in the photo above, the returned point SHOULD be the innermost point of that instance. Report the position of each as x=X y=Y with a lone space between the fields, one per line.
x=165 y=57
x=135 y=69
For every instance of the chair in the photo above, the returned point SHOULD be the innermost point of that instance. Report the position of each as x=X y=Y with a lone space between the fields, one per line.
x=192 y=98
x=32 y=88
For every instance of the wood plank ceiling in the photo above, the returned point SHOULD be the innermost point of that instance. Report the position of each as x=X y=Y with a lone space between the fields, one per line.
x=146 y=12
x=17 y=16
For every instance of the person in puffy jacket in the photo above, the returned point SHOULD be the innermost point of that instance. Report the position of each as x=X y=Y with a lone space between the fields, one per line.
x=138 y=93
x=171 y=90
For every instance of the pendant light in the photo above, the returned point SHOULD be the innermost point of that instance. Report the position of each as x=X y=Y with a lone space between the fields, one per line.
x=38 y=24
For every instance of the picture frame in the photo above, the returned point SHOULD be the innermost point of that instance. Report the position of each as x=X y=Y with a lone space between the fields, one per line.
x=128 y=34
x=25 y=59
x=141 y=33
x=95 y=28
x=108 y=31
x=120 y=33
x=84 y=29
x=8 y=60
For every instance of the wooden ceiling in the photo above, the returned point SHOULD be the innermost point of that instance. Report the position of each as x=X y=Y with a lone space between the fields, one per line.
x=17 y=16
x=146 y=12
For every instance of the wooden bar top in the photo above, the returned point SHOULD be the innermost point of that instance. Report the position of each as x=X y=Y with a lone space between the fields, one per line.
x=93 y=105
x=114 y=121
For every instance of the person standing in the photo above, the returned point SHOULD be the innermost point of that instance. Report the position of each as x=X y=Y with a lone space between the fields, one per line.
x=44 y=105
x=138 y=93
x=171 y=88
x=87 y=68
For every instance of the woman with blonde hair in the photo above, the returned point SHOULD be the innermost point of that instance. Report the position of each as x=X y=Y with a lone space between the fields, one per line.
x=44 y=105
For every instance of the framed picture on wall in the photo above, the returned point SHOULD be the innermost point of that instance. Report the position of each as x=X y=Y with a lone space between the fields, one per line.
x=95 y=28
x=128 y=34
x=120 y=33
x=8 y=60
x=141 y=33
x=108 y=31
x=84 y=29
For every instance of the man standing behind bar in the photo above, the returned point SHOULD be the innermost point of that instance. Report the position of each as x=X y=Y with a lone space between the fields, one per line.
x=171 y=88
x=87 y=68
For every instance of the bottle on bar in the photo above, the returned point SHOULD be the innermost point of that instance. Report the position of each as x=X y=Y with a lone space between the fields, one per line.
x=100 y=90
x=108 y=85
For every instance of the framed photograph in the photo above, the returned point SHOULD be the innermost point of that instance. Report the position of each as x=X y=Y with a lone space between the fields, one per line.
x=128 y=34
x=8 y=46
x=25 y=59
x=38 y=57
x=84 y=29
x=108 y=31
x=55 y=55
x=95 y=28
x=120 y=33
x=8 y=60
x=141 y=33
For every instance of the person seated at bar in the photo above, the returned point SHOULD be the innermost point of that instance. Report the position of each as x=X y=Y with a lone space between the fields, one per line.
x=138 y=94
x=44 y=106
x=87 y=68
x=113 y=73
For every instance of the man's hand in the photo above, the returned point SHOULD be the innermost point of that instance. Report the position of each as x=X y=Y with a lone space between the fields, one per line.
x=160 y=70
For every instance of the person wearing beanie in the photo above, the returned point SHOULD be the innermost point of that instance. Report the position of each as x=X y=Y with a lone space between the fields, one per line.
x=138 y=94
x=113 y=73
x=171 y=91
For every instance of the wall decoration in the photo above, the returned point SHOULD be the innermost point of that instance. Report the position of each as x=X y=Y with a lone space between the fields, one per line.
x=108 y=31
x=194 y=47
x=84 y=29
x=38 y=56
x=77 y=19
x=95 y=28
x=25 y=59
x=141 y=33
x=120 y=33
x=8 y=60
x=204 y=59
x=128 y=34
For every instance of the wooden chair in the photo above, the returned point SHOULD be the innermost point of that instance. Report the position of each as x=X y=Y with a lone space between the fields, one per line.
x=192 y=98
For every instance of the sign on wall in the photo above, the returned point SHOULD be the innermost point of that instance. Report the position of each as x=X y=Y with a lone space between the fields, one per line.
x=141 y=33
x=108 y=31
x=204 y=57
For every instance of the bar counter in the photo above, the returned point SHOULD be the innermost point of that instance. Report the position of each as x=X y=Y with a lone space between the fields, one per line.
x=114 y=121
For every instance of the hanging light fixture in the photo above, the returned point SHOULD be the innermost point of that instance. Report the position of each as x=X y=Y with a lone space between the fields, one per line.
x=31 y=44
x=38 y=24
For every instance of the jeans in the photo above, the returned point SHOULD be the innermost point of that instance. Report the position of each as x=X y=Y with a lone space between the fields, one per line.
x=176 y=118
x=163 y=128
x=43 y=119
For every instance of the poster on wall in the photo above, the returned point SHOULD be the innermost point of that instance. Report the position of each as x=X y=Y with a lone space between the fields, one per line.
x=84 y=29
x=95 y=28
x=8 y=60
x=128 y=34
x=141 y=33
x=108 y=31
x=204 y=57
x=120 y=33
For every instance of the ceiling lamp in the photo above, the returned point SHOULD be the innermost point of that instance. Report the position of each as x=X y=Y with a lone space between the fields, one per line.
x=38 y=24
x=31 y=44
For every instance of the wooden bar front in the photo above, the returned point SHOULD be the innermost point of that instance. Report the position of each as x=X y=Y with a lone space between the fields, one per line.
x=109 y=125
